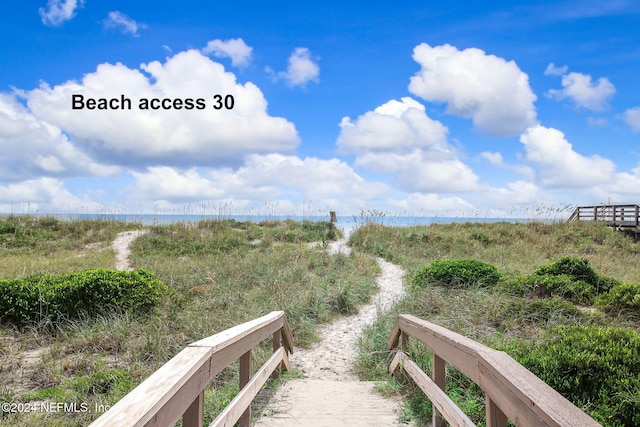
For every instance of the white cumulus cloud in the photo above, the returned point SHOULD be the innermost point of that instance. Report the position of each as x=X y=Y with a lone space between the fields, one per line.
x=491 y=91
x=119 y=20
x=423 y=171
x=301 y=69
x=515 y=193
x=395 y=125
x=261 y=179
x=173 y=136
x=236 y=49
x=59 y=11
x=552 y=70
x=583 y=92
x=557 y=164
x=35 y=190
x=398 y=138
x=632 y=118
x=45 y=195
x=166 y=183
x=494 y=158
x=32 y=147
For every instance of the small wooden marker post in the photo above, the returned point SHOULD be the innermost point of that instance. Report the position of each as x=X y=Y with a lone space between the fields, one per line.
x=332 y=214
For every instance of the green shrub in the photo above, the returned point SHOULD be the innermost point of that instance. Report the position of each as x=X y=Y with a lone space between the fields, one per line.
x=605 y=284
x=623 y=298
x=18 y=300
x=460 y=272
x=70 y=295
x=596 y=368
x=577 y=269
x=536 y=286
x=535 y=311
x=568 y=278
x=480 y=237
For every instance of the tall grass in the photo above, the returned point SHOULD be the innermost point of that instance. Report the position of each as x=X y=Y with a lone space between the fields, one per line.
x=487 y=315
x=220 y=273
x=35 y=244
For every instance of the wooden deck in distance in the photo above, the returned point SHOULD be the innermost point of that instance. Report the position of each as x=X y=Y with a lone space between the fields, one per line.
x=619 y=216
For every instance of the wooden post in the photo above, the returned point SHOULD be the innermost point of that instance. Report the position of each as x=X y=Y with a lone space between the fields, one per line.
x=333 y=216
x=439 y=377
x=495 y=416
x=194 y=415
x=277 y=343
x=245 y=374
x=404 y=341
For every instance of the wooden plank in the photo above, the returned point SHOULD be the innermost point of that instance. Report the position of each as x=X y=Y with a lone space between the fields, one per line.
x=194 y=415
x=524 y=398
x=178 y=403
x=287 y=337
x=456 y=349
x=167 y=394
x=236 y=407
x=495 y=416
x=286 y=365
x=520 y=395
x=272 y=322
x=225 y=356
x=277 y=339
x=245 y=374
x=439 y=375
x=441 y=402
x=276 y=344
x=404 y=341
x=139 y=406
x=397 y=361
x=394 y=337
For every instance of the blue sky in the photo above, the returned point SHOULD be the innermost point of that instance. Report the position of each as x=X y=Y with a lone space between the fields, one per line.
x=427 y=108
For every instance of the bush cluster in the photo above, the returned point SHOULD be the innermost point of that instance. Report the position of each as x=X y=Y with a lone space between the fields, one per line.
x=570 y=278
x=589 y=365
x=623 y=298
x=71 y=295
x=457 y=273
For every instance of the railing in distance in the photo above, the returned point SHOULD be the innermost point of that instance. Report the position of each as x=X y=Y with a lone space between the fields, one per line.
x=511 y=391
x=177 y=388
x=615 y=215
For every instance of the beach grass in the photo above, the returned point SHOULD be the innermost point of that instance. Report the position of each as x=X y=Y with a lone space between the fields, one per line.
x=487 y=314
x=219 y=272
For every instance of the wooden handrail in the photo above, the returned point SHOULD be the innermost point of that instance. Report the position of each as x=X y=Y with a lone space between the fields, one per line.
x=615 y=215
x=177 y=388
x=511 y=391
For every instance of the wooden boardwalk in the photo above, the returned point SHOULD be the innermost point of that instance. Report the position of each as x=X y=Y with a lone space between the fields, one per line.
x=618 y=216
x=177 y=389
x=329 y=403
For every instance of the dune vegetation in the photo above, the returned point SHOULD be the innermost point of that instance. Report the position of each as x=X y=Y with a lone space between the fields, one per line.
x=561 y=298
x=217 y=273
x=536 y=290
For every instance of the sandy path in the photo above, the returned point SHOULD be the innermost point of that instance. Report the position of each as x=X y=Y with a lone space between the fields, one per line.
x=333 y=357
x=121 y=246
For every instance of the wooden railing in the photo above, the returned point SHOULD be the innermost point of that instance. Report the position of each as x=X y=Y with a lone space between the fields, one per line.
x=511 y=391
x=614 y=215
x=177 y=388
